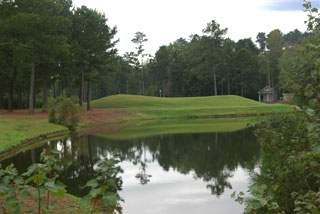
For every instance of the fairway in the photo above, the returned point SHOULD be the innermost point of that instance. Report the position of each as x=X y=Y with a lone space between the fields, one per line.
x=146 y=107
x=136 y=101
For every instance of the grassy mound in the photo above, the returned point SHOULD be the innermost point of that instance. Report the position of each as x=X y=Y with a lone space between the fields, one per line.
x=136 y=101
x=145 y=107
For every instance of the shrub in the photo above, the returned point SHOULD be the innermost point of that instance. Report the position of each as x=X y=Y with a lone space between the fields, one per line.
x=68 y=110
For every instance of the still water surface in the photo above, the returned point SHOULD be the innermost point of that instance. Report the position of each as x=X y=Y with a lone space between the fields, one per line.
x=178 y=173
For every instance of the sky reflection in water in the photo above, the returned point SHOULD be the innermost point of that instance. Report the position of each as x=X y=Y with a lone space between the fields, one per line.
x=178 y=173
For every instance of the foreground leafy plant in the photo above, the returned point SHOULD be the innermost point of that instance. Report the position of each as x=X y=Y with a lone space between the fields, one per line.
x=10 y=188
x=106 y=184
x=43 y=176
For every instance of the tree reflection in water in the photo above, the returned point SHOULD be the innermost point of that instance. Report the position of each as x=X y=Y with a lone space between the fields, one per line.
x=211 y=157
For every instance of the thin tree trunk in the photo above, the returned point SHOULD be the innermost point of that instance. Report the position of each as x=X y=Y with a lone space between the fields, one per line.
x=44 y=96
x=34 y=99
x=31 y=98
x=127 y=87
x=229 y=85
x=1 y=99
x=54 y=90
x=215 y=82
x=10 y=95
x=164 y=93
x=241 y=85
x=82 y=85
x=89 y=93
x=169 y=85
x=222 y=88
x=19 y=99
x=70 y=88
x=269 y=79
x=142 y=80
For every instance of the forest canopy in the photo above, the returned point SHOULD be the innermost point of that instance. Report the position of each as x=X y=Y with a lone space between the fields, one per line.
x=50 y=48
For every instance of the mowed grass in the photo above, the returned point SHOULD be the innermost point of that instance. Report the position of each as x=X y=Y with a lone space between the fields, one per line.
x=15 y=129
x=179 y=126
x=137 y=101
x=164 y=108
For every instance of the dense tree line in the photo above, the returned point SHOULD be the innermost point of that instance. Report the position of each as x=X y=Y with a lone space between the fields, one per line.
x=49 y=48
x=206 y=65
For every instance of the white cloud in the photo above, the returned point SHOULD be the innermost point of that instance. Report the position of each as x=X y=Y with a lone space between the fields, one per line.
x=167 y=20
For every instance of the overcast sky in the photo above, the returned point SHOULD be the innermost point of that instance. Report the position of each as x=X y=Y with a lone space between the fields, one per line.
x=164 y=21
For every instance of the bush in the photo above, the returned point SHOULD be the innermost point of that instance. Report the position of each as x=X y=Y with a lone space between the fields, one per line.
x=43 y=177
x=68 y=110
x=289 y=178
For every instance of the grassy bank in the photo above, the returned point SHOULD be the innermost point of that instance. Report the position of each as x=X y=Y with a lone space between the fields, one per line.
x=15 y=129
x=165 y=108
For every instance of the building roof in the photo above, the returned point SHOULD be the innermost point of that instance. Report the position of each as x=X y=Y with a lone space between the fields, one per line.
x=266 y=90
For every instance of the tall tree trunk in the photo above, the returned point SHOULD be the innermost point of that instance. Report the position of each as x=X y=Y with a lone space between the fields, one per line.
x=10 y=95
x=34 y=99
x=127 y=87
x=70 y=88
x=222 y=88
x=242 y=85
x=142 y=79
x=1 y=99
x=31 y=98
x=229 y=85
x=269 y=78
x=54 y=90
x=44 y=95
x=169 y=85
x=215 y=82
x=164 y=93
x=19 y=94
x=89 y=91
x=82 y=85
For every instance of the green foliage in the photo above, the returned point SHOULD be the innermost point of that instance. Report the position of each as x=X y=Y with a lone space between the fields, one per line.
x=43 y=176
x=106 y=184
x=289 y=177
x=289 y=181
x=10 y=188
x=68 y=110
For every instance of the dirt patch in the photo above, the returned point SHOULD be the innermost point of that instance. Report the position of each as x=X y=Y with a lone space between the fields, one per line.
x=92 y=116
x=103 y=115
x=22 y=112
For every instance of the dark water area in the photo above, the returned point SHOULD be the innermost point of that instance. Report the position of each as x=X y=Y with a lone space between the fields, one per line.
x=178 y=173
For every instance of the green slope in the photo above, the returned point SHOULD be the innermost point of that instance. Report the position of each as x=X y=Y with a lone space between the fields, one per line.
x=146 y=107
x=136 y=101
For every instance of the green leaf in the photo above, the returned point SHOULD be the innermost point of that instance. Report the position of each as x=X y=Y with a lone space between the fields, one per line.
x=24 y=193
x=30 y=170
x=92 y=183
x=310 y=112
x=19 y=180
x=316 y=150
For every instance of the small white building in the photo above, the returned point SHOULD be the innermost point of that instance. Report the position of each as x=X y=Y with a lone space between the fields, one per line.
x=267 y=95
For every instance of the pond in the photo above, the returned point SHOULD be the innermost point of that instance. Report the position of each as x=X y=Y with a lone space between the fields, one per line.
x=168 y=173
